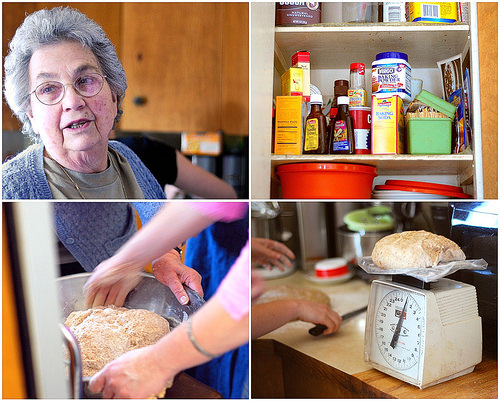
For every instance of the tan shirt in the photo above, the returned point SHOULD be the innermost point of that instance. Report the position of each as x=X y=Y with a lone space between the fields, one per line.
x=104 y=185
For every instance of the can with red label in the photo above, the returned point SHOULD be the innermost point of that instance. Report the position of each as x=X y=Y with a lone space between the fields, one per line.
x=361 y=122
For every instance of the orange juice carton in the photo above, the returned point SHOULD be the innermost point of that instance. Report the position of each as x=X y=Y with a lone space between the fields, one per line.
x=292 y=82
x=302 y=60
x=387 y=127
x=288 y=125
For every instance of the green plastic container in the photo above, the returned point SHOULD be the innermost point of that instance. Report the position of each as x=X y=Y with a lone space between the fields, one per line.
x=430 y=136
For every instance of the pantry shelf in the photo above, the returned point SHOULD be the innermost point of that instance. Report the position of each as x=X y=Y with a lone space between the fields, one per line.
x=333 y=46
x=456 y=164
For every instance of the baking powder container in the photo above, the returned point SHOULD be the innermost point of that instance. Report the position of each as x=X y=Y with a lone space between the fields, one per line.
x=361 y=122
x=391 y=75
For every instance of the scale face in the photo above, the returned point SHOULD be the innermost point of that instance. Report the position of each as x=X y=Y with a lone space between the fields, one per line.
x=422 y=336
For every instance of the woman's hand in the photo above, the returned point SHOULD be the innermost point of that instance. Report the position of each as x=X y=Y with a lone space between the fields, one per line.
x=135 y=374
x=268 y=253
x=170 y=271
x=111 y=282
x=318 y=313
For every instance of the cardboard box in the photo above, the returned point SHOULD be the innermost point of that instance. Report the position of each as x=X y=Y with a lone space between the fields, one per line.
x=292 y=82
x=388 y=127
x=288 y=125
x=201 y=143
x=303 y=60
x=432 y=12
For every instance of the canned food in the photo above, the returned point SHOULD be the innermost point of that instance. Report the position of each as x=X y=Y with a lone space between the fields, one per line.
x=361 y=122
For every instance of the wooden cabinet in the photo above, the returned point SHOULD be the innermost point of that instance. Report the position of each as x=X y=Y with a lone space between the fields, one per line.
x=333 y=47
x=186 y=63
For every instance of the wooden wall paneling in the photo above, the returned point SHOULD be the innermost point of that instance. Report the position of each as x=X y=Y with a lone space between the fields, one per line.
x=235 y=68
x=487 y=15
x=172 y=56
x=12 y=16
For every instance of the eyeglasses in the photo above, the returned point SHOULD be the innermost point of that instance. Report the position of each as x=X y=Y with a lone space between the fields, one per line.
x=52 y=92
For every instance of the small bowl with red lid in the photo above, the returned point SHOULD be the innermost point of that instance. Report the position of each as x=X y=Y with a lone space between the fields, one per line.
x=330 y=271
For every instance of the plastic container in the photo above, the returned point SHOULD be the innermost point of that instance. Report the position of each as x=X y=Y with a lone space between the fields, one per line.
x=430 y=135
x=359 y=12
x=391 y=75
x=326 y=180
x=331 y=268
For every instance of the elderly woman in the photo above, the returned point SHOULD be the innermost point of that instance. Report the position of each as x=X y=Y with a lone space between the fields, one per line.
x=65 y=83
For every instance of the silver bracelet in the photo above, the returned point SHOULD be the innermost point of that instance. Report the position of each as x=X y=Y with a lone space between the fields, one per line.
x=195 y=344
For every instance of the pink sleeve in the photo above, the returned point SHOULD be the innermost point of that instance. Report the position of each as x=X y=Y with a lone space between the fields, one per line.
x=234 y=290
x=223 y=211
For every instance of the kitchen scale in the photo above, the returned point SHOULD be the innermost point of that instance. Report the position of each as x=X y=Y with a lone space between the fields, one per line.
x=423 y=333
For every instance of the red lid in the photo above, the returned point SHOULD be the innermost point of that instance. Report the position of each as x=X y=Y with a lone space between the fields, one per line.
x=426 y=185
x=452 y=194
x=333 y=111
x=298 y=167
x=359 y=66
x=301 y=56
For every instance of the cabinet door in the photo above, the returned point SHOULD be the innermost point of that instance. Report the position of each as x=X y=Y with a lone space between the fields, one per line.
x=175 y=58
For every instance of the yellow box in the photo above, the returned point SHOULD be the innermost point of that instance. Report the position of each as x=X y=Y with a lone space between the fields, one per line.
x=432 y=12
x=388 y=126
x=292 y=82
x=288 y=125
x=201 y=143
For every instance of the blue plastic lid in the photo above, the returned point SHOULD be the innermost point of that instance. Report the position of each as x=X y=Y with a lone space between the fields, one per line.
x=383 y=55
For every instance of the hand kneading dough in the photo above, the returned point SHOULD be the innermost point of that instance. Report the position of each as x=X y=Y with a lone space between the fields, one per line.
x=415 y=249
x=105 y=333
x=290 y=292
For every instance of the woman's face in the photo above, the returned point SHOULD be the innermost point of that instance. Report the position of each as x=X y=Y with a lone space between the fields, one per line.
x=93 y=116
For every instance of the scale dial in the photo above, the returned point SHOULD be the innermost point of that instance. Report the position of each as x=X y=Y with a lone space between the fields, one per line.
x=399 y=324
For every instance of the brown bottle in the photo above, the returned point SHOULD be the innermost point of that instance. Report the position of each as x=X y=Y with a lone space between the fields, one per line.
x=315 y=132
x=342 y=133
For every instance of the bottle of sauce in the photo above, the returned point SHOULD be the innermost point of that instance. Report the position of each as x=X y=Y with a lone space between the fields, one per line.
x=315 y=133
x=357 y=92
x=340 y=88
x=342 y=134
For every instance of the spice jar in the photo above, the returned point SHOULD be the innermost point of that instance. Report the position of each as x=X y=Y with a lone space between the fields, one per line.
x=357 y=92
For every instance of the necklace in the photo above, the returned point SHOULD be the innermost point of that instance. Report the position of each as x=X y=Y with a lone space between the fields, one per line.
x=78 y=188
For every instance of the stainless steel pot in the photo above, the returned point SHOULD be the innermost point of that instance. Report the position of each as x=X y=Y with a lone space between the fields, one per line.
x=149 y=294
x=354 y=244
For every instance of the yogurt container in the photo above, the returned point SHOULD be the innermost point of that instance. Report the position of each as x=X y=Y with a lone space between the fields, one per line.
x=391 y=75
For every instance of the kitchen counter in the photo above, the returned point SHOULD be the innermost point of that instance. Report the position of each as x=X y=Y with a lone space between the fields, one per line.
x=290 y=363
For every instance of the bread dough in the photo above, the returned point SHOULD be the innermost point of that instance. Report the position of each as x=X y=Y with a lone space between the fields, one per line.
x=415 y=249
x=290 y=292
x=105 y=333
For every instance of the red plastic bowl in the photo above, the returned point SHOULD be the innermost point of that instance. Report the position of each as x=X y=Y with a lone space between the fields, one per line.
x=326 y=180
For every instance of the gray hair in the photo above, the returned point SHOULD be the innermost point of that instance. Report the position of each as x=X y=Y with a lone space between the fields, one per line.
x=46 y=27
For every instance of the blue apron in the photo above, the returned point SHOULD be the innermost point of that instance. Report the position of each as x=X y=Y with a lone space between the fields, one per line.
x=212 y=253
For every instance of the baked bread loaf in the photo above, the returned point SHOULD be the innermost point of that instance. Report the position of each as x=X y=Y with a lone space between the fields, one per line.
x=415 y=249
x=105 y=333
x=290 y=292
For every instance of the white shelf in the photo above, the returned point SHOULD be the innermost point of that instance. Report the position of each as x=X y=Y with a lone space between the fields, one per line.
x=456 y=164
x=335 y=46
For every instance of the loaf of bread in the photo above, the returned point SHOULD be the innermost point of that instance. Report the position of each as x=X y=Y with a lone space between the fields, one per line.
x=415 y=249
x=105 y=333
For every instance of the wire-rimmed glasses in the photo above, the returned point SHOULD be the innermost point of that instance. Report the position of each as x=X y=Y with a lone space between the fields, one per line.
x=87 y=85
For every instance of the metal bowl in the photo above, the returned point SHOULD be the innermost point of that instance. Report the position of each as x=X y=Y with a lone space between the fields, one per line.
x=149 y=294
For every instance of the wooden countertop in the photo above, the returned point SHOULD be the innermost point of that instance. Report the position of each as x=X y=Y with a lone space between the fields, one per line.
x=290 y=363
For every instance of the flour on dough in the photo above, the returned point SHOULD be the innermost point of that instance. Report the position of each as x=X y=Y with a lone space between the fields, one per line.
x=291 y=292
x=105 y=333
